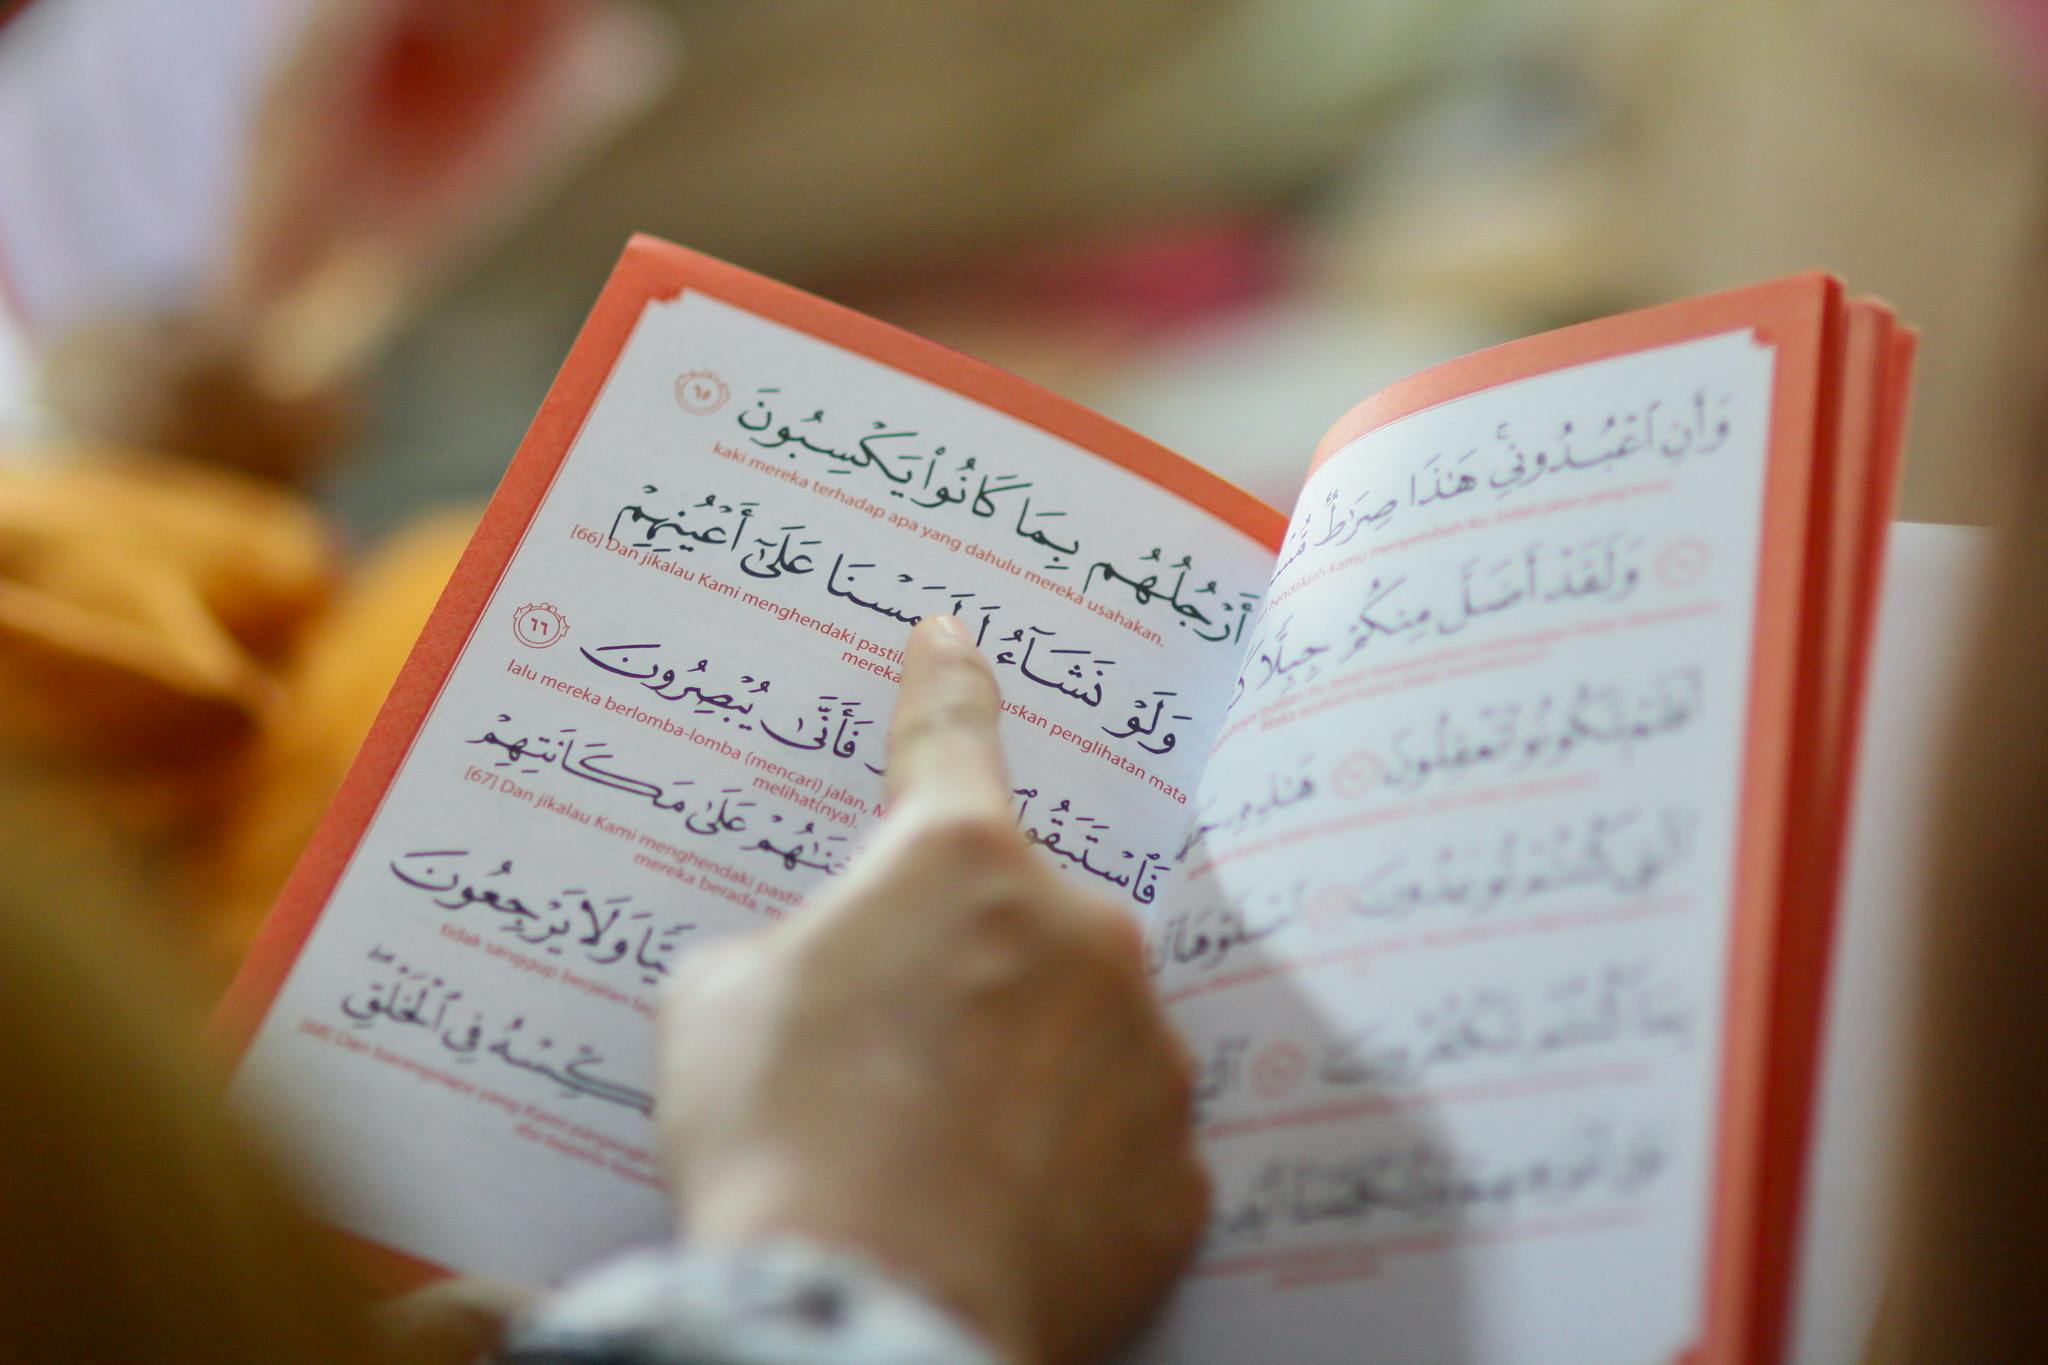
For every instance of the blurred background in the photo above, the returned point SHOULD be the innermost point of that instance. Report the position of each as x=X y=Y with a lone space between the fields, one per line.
x=282 y=281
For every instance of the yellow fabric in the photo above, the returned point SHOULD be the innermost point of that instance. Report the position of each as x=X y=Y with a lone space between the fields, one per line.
x=183 y=662
x=331 y=694
x=142 y=600
x=140 y=1224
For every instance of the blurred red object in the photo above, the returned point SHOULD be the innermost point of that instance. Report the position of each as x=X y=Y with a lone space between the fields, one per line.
x=1160 y=277
x=2027 y=20
x=1134 y=283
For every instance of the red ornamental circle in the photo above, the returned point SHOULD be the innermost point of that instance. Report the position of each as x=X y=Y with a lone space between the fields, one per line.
x=701 y=392
x=1357 y=774
x=538 y=625
x=1278 y=1070
x=1683 y=562
x=1328 y=911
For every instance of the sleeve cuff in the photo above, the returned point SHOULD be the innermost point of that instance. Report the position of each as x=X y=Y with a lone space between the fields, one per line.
x=778 y=1303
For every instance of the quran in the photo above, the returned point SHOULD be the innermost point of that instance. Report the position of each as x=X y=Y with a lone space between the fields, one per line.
x=1484 y=813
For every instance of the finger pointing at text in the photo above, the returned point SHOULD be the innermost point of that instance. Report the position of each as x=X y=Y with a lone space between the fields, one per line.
x=942 y=736
x=951 y=1062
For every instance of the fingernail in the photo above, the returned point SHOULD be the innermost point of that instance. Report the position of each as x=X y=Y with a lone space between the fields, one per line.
x=949 y=624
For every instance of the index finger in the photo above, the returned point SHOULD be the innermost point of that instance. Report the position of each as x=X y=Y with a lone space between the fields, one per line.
x=942 y=737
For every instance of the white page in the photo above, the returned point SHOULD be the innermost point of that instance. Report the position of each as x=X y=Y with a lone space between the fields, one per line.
x=1452 y=941
x=1933 y=584
x=467 y=1080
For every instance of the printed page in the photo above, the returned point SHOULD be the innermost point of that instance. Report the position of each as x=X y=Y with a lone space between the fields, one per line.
x=667 y=724
x=1449 y=930
x=1934 y=582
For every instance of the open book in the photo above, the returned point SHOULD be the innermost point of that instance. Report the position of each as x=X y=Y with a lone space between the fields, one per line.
x=1484 y=816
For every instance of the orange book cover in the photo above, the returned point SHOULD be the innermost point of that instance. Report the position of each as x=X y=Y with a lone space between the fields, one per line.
x=1266 y=739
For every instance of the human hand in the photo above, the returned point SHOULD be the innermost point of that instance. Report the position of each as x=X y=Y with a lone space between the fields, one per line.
x=951 y=1063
